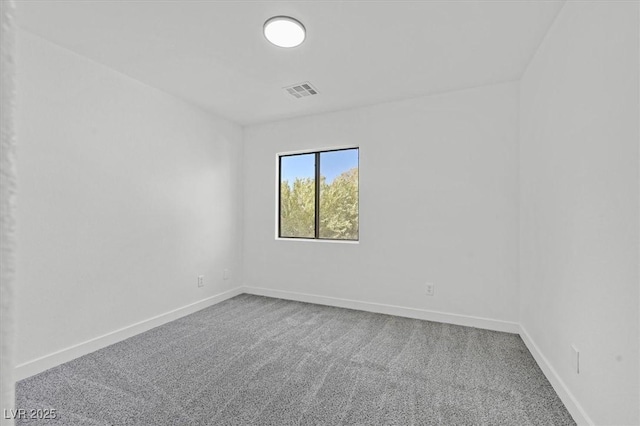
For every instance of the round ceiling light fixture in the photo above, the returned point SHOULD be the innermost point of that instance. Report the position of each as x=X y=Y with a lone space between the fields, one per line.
x=284 y=31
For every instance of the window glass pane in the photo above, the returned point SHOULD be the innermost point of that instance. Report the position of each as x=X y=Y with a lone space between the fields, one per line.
x=339 y=194
x=297 y=196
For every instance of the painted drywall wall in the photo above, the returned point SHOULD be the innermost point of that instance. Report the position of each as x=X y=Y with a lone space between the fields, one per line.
x=126 y=195
x=579 y=205
x=438 y=203
x=7 y=207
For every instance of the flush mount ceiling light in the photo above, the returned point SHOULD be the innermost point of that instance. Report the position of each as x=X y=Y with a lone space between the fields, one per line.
x=284 y=31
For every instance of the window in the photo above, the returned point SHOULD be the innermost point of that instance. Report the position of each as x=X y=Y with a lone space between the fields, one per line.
x=318 y=195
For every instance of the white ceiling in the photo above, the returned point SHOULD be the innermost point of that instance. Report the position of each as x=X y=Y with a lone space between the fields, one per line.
x=213 y=53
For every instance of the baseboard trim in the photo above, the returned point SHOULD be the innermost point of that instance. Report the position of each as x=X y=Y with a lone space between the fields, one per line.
x=54 y=359
x=569 y=401
x=38 y=365
x=573 y=406
x=423 y=314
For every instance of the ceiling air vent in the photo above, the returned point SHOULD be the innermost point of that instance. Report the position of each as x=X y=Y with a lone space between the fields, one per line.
x=301 y=90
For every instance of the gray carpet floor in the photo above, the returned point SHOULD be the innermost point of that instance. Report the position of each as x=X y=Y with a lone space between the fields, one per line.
x=258 y=360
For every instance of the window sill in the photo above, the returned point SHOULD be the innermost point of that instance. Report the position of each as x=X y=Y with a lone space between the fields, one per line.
x=314 y=240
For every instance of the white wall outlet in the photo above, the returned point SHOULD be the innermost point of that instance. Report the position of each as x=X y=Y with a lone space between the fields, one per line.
x=225 y=274
x=429 y=289
x=200 y=280
x=575 y=359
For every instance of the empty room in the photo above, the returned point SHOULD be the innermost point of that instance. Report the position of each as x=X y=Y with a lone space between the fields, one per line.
x=320 y=212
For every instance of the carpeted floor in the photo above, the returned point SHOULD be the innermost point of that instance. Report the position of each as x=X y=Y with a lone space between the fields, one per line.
x=258 y=360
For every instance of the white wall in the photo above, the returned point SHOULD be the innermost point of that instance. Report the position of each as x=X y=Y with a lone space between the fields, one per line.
x=438 y=203
x=7 y=208
x=579 y=205
x=126 y=194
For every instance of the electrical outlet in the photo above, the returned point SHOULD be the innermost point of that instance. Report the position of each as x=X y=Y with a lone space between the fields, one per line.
x=225 y=274
x=575 y=359
x=429 y=289
x=200 y=280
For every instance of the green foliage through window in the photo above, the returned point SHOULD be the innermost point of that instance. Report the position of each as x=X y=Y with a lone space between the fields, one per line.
x=332 y=213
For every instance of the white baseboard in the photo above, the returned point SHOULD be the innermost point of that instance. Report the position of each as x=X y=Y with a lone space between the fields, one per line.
x=569 y=401
x=41 y=364
x=423 y=314
x=46 y=362
x=574 y=408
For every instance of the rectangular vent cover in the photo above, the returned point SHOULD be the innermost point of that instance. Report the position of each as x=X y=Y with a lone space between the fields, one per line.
x=301 y=90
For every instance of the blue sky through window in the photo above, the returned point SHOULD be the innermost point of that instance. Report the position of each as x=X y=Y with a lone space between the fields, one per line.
x=297 y=166
x=332 y=164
